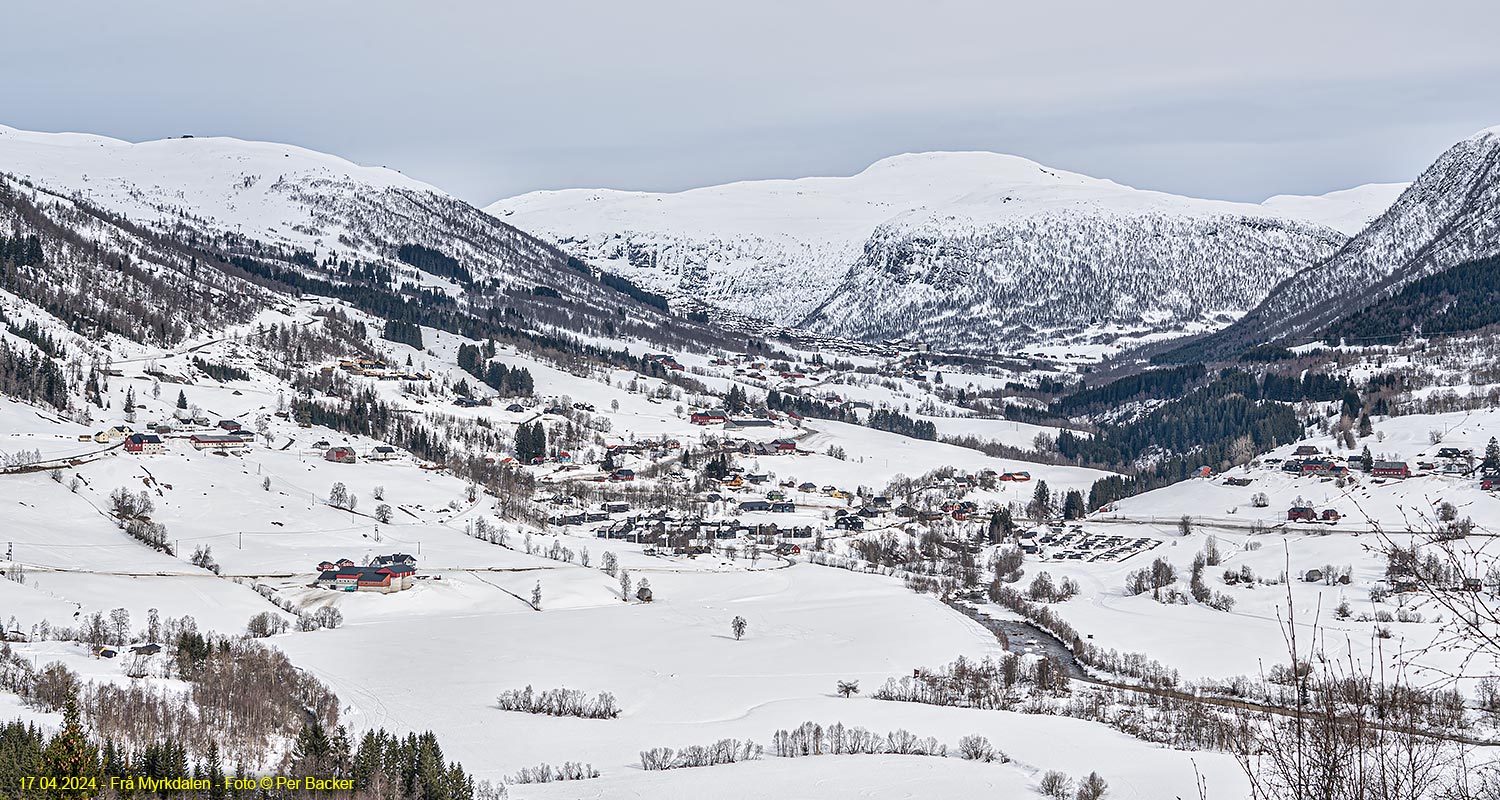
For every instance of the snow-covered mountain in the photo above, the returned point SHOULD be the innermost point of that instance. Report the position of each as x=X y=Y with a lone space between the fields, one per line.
x=275 y=195
x=278 y=217
x=960 y=249
x=1448 y=216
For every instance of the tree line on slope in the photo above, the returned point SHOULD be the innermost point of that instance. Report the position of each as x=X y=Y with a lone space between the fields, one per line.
x=1225 y=422
x=1462 y=298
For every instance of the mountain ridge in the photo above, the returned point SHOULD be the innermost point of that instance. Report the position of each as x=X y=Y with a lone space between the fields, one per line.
x=1448 y=217
x=797 y=251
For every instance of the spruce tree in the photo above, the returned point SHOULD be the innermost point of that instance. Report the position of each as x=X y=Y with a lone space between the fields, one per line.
x=215 y=772
x=71 y=755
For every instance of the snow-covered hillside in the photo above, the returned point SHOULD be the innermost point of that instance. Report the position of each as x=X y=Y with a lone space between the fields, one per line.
x=273 y=195
x=1450 y=215
x=914 y=241
x=1348 y=211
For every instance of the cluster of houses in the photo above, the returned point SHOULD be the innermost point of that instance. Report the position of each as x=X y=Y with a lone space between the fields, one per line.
x=344 y=454
x=602 y=514
x=379 y=368
x=389 y=573
x=667 y=360
x=110 y=651
x=233 y=437
x=761 y=371
x=1307 y=460
x=777 y=447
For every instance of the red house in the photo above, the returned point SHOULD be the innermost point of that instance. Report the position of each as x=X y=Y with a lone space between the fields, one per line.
x=785 y=445
x=708 y=418
x=146 y=443
x=1390 y=469
x=1301 y=514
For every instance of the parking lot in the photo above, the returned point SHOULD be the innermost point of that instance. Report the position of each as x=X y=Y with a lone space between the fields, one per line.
x=1081 y=546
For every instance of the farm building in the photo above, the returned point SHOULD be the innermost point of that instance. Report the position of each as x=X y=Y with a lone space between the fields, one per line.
x=144 y=443
x=339 y=455
x=1390 y=469
x=708 y=418
x=388 y=578
x=1321 y=466
x=740 y=424
x=214 y=441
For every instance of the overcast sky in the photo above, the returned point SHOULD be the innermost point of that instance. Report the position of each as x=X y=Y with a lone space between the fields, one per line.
x=490 y=99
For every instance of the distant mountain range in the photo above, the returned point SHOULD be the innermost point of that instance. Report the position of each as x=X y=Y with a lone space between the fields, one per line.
x=966 y=251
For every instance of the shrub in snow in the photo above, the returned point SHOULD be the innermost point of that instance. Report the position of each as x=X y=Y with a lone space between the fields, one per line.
x=1151 y=579
x=559 y=703
x=1055 y=785
x=1044 y=590
x=203 y=557
x=328 y=617
x=724 y=751
x=265 y=624
x=150 y=533
x=1091 y=788
x=812 y=739
x=546 y=773
x=977 y=748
